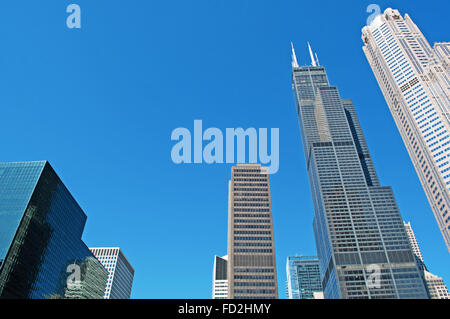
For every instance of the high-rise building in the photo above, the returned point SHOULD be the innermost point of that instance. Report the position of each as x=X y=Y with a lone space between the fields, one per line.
x=414 y=78
x=251 y=251
x=303 y=277
x=361 y=242
x=413 y=241
x=435 y=285
x=121 y=273
x=318 y=295
x=220 y=281
x=415 y=246
x=41 y=225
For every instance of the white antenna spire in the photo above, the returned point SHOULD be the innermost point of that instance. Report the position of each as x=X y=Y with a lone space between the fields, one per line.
x=294 y=57
x=317 y=59
x=313 y=60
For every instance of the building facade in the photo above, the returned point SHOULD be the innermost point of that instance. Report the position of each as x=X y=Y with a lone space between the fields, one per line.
x=92 y=281
x=435 y=285
x=251 y=251
x=413 y=241
x=41 y=225
x=303 y=277
x=220 y=281
x=121 y=273
x=414 y=78
x=415 y=246
x=358 y=229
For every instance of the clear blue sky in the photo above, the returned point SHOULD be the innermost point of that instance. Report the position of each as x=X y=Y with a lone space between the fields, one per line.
x=100 y=104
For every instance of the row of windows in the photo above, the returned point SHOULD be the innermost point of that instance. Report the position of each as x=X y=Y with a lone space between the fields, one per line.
x=252 y=232
x=252 y=238
x=252 y=215
x=252 y=221
x=249 y=277
x=254 y=284
x=254 y=292
x=242 y=250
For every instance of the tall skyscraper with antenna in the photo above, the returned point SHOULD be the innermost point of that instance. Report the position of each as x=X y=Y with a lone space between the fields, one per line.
x=415 y=81
x=361 y=241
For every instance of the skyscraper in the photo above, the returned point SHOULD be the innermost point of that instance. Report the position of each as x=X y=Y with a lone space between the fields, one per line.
x=220 y=281
x=414 y=245
x=435 y=285
x=121 y=273
x=414 y=79
x=358 y=229
x=41 y=224
x=251 y=251
x=303 y=277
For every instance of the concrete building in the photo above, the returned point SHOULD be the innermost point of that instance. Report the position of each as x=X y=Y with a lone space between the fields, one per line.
x=357 y=225
x=435 y=285
x=121 y=273
x=414 y=78
x=251 y=251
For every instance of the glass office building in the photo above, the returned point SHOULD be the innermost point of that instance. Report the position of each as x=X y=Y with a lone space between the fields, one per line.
x=41 y=226
x=361 y=242
x=415 y=80
x=303 y=277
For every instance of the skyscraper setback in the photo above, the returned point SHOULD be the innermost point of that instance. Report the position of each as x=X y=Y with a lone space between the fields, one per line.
x=251 y=250
x=414 y=79
x=358 y=229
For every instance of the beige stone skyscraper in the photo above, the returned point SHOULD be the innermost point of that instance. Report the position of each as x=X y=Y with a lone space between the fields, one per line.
x=251 y=251
x=415 y=80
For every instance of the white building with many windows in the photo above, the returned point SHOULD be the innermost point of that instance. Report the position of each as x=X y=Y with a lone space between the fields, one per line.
x=415 y=80
x=121 y=273
x=220 y=281
x=413 y=241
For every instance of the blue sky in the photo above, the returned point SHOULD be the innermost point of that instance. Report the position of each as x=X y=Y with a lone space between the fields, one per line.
x=100 y=104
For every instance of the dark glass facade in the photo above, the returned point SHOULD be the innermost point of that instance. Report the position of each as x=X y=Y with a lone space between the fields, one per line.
x=41 y=226
x=220 y=270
